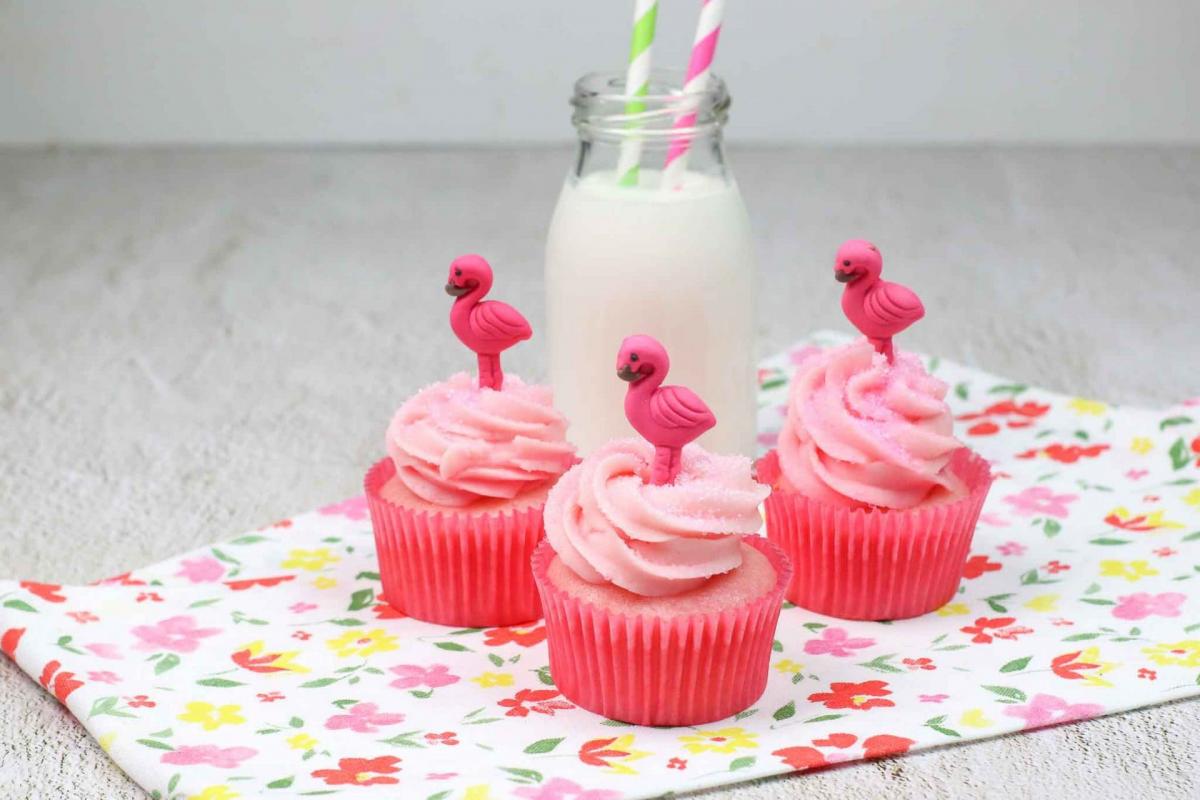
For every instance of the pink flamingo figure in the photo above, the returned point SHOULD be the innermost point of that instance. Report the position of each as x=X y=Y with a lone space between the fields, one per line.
x=489 y=328
x=668 y=417
x=880 y=309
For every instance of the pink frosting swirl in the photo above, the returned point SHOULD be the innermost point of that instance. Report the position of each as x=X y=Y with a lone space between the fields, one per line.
x=861 y=432
x=454 y=443
x=608 y=523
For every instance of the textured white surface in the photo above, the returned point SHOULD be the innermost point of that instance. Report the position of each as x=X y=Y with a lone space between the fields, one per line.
x=171 y=324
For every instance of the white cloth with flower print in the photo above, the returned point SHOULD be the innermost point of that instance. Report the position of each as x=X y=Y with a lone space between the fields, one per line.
x=266 y=666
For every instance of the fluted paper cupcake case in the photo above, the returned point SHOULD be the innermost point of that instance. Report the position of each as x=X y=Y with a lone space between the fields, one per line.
x=647 y=670
x=462 y=568
x=875 y=564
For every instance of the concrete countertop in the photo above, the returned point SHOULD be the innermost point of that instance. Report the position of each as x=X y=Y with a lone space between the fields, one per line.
x=193 y=343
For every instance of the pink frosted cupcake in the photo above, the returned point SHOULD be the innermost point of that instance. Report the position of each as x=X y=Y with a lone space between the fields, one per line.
x=457 y=505
x=660 y=603
x=873 y=498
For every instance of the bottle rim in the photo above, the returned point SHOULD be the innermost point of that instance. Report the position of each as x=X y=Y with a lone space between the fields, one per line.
x=603 y=109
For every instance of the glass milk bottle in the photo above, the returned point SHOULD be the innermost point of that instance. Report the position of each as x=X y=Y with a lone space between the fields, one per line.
x=665 y=254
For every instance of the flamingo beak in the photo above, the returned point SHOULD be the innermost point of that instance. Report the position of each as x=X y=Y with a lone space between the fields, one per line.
x=454 y=290
x=627 y=373
x=844 y=277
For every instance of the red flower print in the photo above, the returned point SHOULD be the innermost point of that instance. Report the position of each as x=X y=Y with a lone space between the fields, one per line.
x=1165 y=552
x=152 y=597
x=1065 y=453
x=47 y=591
x=677 y=763
x=595 y=753
x=541 y=701
x=985 y=428
x=919 y=663
x=839 y=740
x=1014 y=415
x=985 y=628
x=447 y=738
x=269 y=697
x=885 y=745
x=358 y=771
x=247 y=583
x=978 y=565
x=1055 y=567
x=303 y=636
x=801 y=758
x=384 y=611
x=1012 y=633
x=83 y=617
x=63 y=682
x=1059 y=622
x=1065 y=666
x=140 y=701
x=283 y=523
x=857 y=696
x=526 y=637
x=9 y=641
x=1147 y=674
x=120 y=580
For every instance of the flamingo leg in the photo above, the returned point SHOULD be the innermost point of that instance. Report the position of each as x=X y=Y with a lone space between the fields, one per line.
x=490 y=374
x=665 y=466
x=885 y=346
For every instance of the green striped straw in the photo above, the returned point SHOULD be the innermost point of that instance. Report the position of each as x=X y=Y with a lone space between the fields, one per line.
x=637 y=84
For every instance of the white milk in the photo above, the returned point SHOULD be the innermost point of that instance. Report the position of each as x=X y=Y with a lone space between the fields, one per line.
x=678 y=266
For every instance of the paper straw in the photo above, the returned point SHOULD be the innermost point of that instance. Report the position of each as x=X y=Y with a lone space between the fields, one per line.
x=637 y=84
x=704 y=47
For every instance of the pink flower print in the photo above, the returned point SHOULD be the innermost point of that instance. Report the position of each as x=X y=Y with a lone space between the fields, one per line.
x=1046 y=709
x=104 y=676
x=835 y=642
x=220 y=757
x=104 y=650
x=563 y=789
x=1142 y=605
x=1136 y=474
x=933 y=698
x=83 y=617
x=353 y=508
x=768 y=438
x=995 y=520
x=412 y=675
x=178 y=634
x=362 y=718
x=441 y=776
x=1040 y=500
x=300 y=608
x=1011 y=549
x=205 y=569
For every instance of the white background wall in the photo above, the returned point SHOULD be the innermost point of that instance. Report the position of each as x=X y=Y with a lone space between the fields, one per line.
x=493 y=71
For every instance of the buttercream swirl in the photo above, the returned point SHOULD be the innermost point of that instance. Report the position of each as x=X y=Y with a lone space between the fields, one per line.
x=454 y=443
x=608 y=523
x=862 y=432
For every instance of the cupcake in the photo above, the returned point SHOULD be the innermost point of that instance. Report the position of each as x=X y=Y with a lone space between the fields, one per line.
x=872 y=497
x=456 y=506
x=660 y=601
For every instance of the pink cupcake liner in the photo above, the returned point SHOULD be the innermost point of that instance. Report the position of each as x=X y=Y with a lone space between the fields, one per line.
x=461 y=568
x=683 y=670
x=875 y=564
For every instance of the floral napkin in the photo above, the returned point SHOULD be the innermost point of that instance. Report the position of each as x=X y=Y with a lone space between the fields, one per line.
x=268 y=665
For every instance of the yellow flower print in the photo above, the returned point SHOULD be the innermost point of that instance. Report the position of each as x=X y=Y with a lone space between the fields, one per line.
x=487 y=680
x=1043 y=602
x=362 y=643
x=1132 y=571
x=722 y=740
x=1181 y=654
x=480 y=791
x=788 y=667
x=324 y=582
x=975 y=718
x=311 y=560
x=220 y=792
x=1121 y=517
x=302 y=741
x=253 y=658
x=1092 y=408
x=953 y=610
x=211 y=717
x=106 y=740
x=1093 y=677
x=1141 y=445
x=1192 y=498
x=619 y=765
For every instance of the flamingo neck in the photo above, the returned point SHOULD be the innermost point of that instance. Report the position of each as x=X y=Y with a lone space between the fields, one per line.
x=859 y=287
x=648 y=384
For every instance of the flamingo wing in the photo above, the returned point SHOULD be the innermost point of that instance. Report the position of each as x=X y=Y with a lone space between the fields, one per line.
x=893 y=304
x=498 y=322
x=680 y=407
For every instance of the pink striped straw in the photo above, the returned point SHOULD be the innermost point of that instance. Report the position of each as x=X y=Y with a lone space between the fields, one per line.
x=704 y=48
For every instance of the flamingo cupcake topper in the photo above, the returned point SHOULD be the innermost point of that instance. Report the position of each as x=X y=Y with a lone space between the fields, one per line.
x=489 y=328
x=668 y=417
x=880 y=309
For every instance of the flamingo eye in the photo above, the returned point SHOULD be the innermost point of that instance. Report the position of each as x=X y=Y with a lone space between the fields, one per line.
x=846 y=263
x=458 y=273
x=633 y=356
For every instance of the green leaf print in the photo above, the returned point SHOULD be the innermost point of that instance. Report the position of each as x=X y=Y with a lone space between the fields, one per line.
x=452 y=646
x=347 y=622
x=362 y=599
x=19 y=605
x=496 y=660
x=155 y=744
x=995 y=602
x=282 y=783
x=1017 y=664
x=523 y=775
x=1051 y=528
x=367 y=575
x=785 y=711
x=169 y=661
x=1008 y=388
x=251 y=539
x=442 y=795
x=1179 y=454
x=544 y=746
x=745 y=762
x=1171 y=422
x=318 y=683
x=1007 y=692
x=219 y=683
x=777 y=646
x=544 y=676
x=1081 y=637
x=823 y=718
x=879 y=664
x=1109 y=541
x=960 y=391
x=1097 y=601
x=935 y=723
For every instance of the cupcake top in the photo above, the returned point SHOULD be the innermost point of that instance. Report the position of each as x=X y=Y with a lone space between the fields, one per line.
x=609 y=524
x=454 y=443
x=862 y=432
